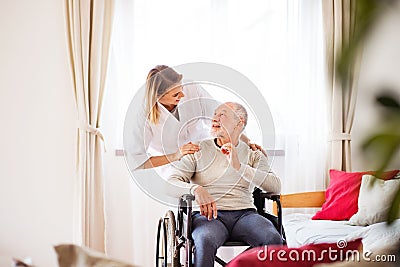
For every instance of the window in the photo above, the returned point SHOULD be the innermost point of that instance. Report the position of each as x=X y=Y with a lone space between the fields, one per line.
x=276 y=44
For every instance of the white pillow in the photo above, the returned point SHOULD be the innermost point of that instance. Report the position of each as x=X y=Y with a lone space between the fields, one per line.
x=374 y=200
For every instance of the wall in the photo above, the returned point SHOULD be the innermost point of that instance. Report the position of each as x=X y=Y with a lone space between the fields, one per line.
x=379 y=69
x=37 y=139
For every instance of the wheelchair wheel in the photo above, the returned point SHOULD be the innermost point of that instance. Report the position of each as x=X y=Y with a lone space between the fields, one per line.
x=166 y=253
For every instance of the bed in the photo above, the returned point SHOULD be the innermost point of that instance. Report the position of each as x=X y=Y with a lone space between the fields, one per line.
x=302 y=230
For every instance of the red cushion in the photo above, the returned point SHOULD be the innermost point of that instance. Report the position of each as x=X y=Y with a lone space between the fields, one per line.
x=342 y=194
x=304 y=256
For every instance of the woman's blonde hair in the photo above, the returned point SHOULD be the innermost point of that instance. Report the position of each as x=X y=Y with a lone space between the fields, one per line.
x=159 y=80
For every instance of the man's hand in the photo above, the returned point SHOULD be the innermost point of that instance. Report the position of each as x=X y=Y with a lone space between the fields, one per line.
x=208 y=208
x=231 y=153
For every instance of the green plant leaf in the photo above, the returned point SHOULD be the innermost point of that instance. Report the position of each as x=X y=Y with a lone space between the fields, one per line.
x=367 y=13
x=383 y=146
x=388 y=101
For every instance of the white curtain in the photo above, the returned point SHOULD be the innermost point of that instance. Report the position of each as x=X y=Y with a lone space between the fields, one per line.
x=303 y=99
x=339 y=19
x=89 y=30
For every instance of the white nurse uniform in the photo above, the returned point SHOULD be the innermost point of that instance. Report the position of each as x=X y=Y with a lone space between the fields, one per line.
x=190 y=122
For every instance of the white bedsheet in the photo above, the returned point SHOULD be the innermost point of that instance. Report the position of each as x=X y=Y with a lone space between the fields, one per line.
x=377 y=235
x=301 y=230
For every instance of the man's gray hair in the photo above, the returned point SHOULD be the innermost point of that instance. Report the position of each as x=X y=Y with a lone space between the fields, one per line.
x=240 y=111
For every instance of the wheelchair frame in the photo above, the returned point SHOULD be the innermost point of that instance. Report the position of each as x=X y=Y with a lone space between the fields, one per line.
x=173 y=235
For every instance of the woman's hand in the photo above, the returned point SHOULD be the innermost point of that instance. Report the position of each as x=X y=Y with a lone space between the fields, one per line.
x=229 y=150
x=188 y=148
x=252 y=146
x=208 y=208
x=255 y=147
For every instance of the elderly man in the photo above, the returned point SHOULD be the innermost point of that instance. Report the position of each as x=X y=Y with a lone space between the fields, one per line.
x=222 y=176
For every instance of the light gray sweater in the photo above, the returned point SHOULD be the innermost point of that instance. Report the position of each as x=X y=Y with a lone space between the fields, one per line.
x=231 y=189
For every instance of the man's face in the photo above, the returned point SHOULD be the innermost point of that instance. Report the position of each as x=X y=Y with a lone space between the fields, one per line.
x=224 y=121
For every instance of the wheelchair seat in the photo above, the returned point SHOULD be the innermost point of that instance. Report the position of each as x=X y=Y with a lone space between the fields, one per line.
x=174 y=235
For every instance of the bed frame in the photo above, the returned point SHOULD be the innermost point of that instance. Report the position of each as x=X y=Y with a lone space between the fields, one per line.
x=301 y=200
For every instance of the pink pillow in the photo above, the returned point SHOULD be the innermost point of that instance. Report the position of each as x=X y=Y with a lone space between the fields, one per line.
x=305 y=256
x=342 y=194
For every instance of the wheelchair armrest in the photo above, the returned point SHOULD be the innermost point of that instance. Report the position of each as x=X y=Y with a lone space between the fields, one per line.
x=260 y=196
x=270 y=196
x=187 y=197
x=185 y=201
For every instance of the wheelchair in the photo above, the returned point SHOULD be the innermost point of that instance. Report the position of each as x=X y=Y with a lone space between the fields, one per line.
x=174 y=235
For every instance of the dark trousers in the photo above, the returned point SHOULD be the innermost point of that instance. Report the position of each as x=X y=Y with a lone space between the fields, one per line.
x=241 y=225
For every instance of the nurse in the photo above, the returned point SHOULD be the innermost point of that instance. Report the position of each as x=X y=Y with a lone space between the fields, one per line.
x=175 y=115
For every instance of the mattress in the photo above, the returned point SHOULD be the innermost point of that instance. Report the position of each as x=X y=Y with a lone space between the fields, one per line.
x=301 y=230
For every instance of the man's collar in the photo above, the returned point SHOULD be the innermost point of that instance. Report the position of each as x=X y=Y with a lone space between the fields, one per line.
x=216 y=143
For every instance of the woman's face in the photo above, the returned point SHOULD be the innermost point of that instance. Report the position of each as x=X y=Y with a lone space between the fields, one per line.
x=172 y=97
